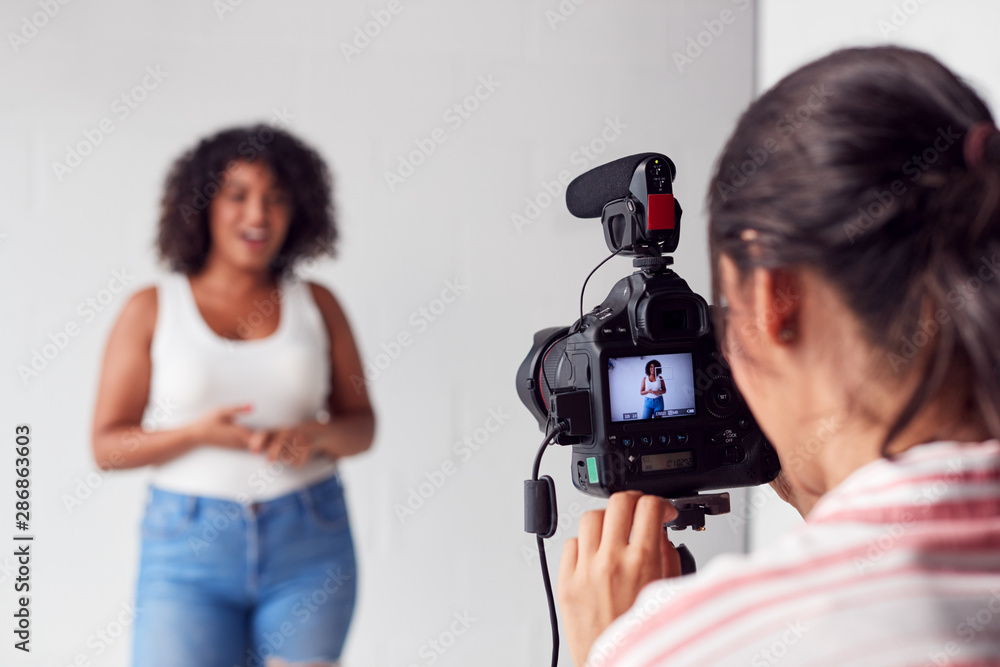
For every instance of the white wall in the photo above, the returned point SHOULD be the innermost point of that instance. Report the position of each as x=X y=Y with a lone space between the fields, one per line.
x=561 y=86
x=961 y=33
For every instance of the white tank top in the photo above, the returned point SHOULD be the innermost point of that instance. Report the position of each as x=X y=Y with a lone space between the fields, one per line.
x=653 y=386
x=285 y=376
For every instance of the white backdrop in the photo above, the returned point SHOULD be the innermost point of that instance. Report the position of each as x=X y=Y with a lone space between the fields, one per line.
x=961 y=33
x=450 y=131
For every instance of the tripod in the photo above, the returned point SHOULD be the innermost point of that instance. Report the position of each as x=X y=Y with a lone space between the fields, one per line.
x=691 y=511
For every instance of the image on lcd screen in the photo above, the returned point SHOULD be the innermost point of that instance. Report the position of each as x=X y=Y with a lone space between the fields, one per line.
x=651 y=387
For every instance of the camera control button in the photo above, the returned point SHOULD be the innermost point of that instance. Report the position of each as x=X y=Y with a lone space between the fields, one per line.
x=622 y=329
x=734 y=454
x=607 y=331
x=627 y=441
x=680 y=438
x=726 y=437
x=744 y=423
x=645 y=440
x=721 y=400
x=663 y=438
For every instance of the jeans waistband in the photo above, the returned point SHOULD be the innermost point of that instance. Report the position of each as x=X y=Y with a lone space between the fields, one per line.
x=300 y=497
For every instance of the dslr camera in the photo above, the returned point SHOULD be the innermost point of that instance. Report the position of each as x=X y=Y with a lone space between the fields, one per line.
x=638 y=386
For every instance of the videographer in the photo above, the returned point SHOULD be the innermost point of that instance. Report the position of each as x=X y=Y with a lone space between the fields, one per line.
x=855 y=245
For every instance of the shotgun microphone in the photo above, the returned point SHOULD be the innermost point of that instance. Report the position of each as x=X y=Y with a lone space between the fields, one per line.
x=587 y=194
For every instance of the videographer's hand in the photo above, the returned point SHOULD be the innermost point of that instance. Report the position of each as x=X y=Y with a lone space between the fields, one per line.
x=217 y=427
x=602 y=571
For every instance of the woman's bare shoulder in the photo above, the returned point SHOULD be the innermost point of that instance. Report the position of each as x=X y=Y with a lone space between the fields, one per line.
x=138 y=315
x=328 y=306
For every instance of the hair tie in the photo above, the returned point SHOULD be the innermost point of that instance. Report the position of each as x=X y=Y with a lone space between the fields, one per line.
x=975 y=143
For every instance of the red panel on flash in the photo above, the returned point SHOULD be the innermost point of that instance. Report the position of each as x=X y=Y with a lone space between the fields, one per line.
x=660 y=215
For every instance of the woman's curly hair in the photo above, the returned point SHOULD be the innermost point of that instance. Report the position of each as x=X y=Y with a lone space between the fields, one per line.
x=184 y=236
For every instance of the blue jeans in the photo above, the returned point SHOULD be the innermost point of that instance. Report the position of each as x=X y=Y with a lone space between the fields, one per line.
x=651 y=406
x=224 y=584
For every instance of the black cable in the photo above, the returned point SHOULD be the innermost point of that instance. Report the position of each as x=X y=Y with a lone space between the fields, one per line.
x=553 y=429
x=573 y=329
x=587 y=279
x=552 y=603
x=559 y=428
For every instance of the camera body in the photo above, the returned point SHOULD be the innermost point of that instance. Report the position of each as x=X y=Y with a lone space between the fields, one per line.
x=638 y=384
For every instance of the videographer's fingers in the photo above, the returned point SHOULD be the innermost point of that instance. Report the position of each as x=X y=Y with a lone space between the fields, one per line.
x=651 y=512
x=618 y=519
x=591 y=525
x=567 y=564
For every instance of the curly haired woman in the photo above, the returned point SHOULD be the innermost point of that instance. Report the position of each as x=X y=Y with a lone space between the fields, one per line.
x=240 y=386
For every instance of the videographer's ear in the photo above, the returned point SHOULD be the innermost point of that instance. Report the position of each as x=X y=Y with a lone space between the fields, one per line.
x=776 y=305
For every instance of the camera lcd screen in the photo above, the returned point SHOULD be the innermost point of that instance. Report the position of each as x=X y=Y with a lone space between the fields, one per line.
x=668 y=461
x=651 y=386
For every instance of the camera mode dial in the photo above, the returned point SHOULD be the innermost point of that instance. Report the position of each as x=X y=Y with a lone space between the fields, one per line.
x=721 y=399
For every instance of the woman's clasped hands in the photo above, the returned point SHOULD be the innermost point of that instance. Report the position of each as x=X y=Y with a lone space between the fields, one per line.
x=292 y=445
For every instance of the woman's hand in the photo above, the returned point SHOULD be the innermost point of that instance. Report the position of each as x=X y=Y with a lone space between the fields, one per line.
x=218 y=427
x=292 y=445
x=602 y=571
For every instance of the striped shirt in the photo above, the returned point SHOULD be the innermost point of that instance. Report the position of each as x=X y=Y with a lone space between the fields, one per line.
x=897 y=565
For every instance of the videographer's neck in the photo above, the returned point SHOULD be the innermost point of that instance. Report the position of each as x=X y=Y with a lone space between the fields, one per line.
x=861 y=443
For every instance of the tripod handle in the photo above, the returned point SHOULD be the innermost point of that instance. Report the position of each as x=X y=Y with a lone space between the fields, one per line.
x=687 y=560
